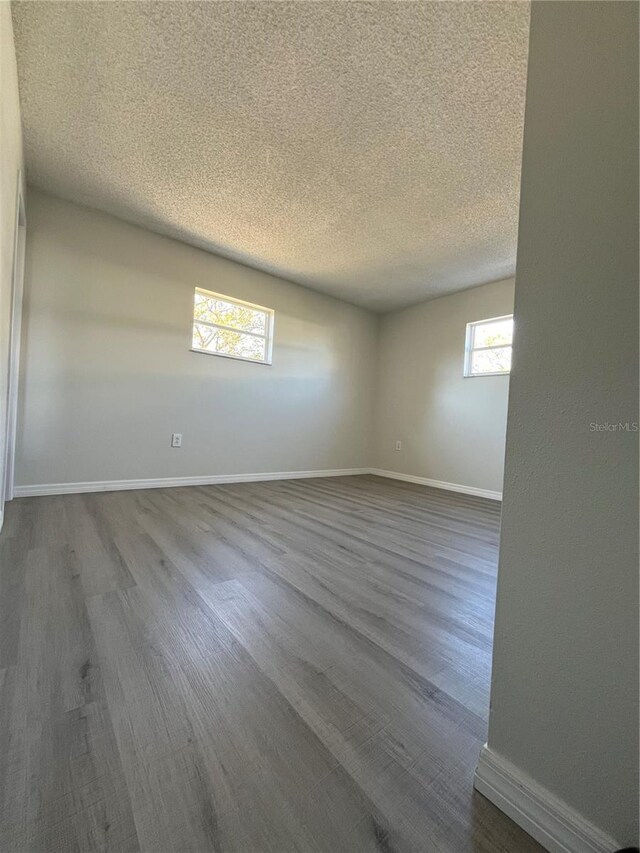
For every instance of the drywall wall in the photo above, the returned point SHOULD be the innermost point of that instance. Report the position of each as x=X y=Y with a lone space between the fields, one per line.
x=10 y=167
x=452 y=428
x=564 y=703
x=108 y=374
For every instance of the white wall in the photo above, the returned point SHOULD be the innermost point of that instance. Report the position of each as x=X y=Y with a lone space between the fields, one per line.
x=10 y=165
x=108 y=375
x=452 y=428
x=564 y=704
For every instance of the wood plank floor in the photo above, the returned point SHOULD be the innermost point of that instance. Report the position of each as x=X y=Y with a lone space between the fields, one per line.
x=292 y=666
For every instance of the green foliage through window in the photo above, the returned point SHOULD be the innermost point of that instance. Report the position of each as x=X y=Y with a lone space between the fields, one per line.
x=225 y=326
x=488 y=347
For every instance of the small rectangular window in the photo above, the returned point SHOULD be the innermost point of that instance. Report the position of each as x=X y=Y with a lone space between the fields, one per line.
x=488 y=347
x=231 y=328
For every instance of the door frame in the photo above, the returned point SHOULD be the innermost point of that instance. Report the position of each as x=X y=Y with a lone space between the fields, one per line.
x=15 y=334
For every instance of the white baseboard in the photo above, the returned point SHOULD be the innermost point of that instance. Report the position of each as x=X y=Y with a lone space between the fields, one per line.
x=438 y=484
x=546 y=818
x=169 y=482
x=213 y=479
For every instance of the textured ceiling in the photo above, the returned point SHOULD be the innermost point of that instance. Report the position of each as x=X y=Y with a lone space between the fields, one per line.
x=368 y=150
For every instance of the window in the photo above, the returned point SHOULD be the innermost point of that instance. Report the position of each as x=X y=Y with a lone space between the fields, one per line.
x=488 y=347
x=231 y=328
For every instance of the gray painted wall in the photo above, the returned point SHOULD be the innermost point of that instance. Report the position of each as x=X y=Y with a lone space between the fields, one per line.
x=452 y=428
x=564 y=705
x=107 y=374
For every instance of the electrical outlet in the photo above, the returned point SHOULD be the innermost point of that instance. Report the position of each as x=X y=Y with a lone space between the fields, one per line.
x=398 y=445
x=176 y=439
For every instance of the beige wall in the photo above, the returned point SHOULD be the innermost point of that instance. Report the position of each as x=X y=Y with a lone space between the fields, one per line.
x=108 y=375
x=10 y=165
x=564 y=704
x=452 y=428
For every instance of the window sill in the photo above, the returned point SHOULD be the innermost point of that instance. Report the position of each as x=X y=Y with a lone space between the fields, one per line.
x=482 y=375
x=234 y=357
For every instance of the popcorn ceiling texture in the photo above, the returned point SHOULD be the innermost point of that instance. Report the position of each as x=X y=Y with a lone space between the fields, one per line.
x=368 y=150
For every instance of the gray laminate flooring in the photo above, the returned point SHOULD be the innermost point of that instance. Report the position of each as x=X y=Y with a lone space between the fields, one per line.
x=290 y=666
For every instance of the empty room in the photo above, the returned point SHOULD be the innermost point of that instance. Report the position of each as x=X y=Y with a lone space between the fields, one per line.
x=319 y=426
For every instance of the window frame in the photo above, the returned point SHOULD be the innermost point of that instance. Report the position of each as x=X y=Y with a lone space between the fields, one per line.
x=232 y=300
x=469 y=348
